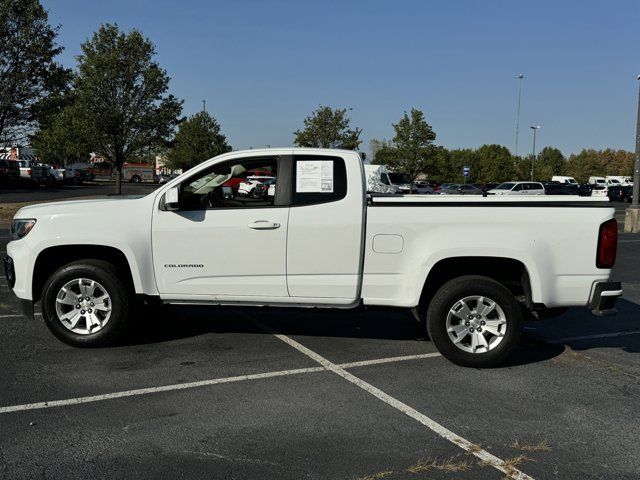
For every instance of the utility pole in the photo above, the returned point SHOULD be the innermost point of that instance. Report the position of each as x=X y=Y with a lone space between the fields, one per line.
x=520 y=77
x=204 y=105
x=632 y=216
x=533 y=154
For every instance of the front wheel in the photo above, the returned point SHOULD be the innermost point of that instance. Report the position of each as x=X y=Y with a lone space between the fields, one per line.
x=474 y=321
x=85 y=304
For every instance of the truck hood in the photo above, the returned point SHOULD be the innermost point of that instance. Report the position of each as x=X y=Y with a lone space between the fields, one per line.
x=86 y=206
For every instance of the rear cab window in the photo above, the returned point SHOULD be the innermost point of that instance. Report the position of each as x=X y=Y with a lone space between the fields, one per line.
x=318 y=179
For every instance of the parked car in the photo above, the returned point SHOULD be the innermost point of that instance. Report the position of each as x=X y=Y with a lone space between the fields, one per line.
x=265 y=189
x=460 y=189
x=518 y=188
x=563 y=179
x=247 y=187
x=622 y=193
x=619 y=180
x=600 y=191
x=485 y=187
x=378 y=181
x=597 y=181
x=77 y=173
x=34 y=174
x=555 y=188
x=9 y=172
x=473 y=285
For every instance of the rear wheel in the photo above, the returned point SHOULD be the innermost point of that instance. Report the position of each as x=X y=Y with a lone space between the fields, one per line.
x=135 y=179
x=85 y=304
x=474 y=321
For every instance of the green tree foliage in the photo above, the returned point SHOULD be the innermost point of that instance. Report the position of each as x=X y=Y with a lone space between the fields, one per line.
x=198 y=139
x=549 y=162
x=328 y=128
x=120 y=106
x=411 y=150
x=63 y=141
x=28 y=72
x=493 y=164
x=591 y=162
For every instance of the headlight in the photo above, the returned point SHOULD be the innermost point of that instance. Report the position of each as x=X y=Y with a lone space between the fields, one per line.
x=20 y=227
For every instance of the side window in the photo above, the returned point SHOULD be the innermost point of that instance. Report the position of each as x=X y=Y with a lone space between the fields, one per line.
x=241 y=183
x=318 y=179
x=384 y=178
x=518 y=188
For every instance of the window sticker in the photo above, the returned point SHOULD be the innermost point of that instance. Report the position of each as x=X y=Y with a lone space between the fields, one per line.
x=314 y=176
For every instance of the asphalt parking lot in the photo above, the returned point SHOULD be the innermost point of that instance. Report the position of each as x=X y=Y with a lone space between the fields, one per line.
x=268 y=393
x=64 y=192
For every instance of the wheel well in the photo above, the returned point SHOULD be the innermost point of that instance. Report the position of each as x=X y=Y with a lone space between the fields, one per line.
x=51 y=259
x=511 y=273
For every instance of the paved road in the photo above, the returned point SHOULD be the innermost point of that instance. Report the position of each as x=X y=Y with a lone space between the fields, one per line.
x=41 y=194
x=268 y=393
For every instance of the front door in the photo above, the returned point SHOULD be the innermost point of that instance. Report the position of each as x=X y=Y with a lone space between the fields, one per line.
x=228 y=239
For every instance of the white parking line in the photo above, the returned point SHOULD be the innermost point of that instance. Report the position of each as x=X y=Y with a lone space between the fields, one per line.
x=10 y=316
x=388 y=360
x=590 y=337
x=203 y=383
x=402 y=407
x=147 y=391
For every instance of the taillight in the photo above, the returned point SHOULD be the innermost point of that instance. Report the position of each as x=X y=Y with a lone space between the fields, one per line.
x=29 y=171
x=607 y=244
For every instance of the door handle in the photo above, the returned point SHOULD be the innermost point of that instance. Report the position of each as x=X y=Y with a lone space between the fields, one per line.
x=264 y=225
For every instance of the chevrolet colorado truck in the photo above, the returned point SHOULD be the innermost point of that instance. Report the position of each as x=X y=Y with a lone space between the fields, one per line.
x=472 y=269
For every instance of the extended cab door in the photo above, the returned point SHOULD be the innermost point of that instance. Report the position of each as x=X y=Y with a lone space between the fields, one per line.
x=326 y=228
x=222 y=244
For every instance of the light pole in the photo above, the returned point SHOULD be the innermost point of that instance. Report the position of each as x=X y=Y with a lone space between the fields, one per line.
x=632 y=216
x=533 y=154
x=519 y=77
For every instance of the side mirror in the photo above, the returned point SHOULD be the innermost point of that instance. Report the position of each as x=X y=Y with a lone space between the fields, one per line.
x=172 y=199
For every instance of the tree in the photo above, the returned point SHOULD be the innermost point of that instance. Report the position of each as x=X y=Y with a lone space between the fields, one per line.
x=494 y=164
x=328 y=128
x=198 y=139
x=549 y=162
x=120 y=106
x=28 y=71
x=411 y=150
x=62 y=141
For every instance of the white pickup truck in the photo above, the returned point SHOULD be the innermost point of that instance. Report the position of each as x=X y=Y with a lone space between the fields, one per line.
x=472 y=269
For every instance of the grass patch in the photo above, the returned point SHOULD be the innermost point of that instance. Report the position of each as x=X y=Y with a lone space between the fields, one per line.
x=542 y=446
x=510 y=465
x=376 y=476
x=451 y=465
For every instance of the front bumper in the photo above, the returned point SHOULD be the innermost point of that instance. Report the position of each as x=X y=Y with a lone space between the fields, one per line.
x=604 y=298
x=10 y=274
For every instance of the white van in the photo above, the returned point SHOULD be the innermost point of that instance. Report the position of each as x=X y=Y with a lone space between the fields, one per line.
x=617 y=180
x=597 y=181
x=563 y=179
x=378 y=180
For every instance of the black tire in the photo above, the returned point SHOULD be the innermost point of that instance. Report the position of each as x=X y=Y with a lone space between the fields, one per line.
x=135 y=179
x=121 y=302
x=470 y=285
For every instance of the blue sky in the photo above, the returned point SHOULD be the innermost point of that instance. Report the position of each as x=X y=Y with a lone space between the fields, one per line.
x=262 y=66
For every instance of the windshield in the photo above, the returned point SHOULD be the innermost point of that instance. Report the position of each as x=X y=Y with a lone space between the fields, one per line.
x=572 y=180
x=505 y=186
x=398 y=178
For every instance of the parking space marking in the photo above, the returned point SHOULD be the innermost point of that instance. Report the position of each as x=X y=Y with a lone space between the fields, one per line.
x=147 y=391
x=378 y=361
x=10 y=315
x=402 y=407
x=591 y=337
x=203 y=383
